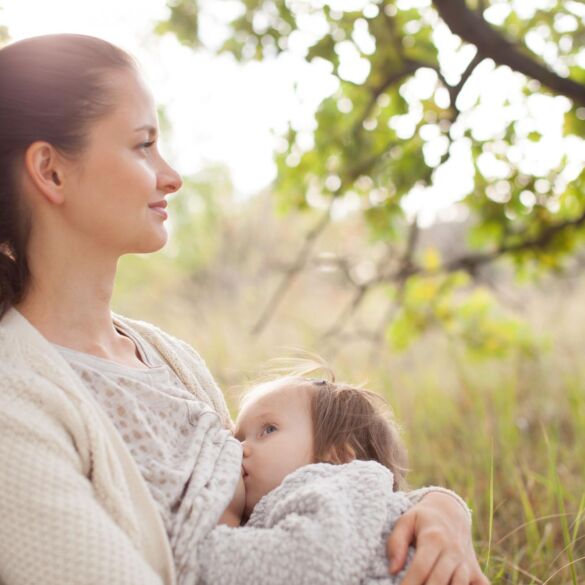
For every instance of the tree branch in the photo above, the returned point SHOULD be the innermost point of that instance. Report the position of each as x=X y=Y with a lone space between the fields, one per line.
x=293 y=271
x=363 y=288
x=409 y=68
x=454 y=91
x=472 y=28
x=470 y=263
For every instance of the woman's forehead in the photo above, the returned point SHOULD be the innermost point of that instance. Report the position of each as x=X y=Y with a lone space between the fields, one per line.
x=134 y=105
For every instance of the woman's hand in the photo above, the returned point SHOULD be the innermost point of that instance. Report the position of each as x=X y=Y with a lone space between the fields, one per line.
x=441 y=531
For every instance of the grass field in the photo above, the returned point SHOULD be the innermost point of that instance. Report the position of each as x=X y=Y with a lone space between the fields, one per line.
x=507 y=434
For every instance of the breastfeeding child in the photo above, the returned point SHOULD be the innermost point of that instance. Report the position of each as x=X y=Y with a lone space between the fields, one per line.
x=322 y=466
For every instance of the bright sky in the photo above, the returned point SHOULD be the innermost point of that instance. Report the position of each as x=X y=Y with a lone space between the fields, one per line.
x=219 y=110
x=223 y=111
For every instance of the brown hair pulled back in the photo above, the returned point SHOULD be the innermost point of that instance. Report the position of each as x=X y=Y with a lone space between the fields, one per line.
x=52 y=88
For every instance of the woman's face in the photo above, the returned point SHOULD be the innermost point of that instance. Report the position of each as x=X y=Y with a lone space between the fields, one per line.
x=115 y=192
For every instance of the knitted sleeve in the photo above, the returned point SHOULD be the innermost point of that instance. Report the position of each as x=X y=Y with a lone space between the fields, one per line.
x=52 y=528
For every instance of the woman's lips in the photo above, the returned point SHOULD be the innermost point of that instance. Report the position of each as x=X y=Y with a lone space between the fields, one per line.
x=159 y=208
x=160 y=211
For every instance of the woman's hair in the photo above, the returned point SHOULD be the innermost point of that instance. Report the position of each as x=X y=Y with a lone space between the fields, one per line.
x=348 y=422
x=52 y=88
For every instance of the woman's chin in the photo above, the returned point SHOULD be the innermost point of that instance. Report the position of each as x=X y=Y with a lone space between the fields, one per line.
x=152 y=244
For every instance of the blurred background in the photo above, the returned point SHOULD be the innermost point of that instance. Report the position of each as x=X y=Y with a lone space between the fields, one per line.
x=398 y=187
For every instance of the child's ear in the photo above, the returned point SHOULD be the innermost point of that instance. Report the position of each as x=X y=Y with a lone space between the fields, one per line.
x=340 y=454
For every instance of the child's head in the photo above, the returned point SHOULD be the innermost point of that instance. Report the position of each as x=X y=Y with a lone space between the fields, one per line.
x=293 y=421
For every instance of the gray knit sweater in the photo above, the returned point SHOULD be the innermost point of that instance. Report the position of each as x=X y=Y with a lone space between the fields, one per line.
x=324 y=525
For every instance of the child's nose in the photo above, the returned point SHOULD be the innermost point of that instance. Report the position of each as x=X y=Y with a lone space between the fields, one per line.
x=246 y=449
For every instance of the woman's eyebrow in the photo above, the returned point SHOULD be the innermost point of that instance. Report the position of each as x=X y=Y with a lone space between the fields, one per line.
x=152 y=131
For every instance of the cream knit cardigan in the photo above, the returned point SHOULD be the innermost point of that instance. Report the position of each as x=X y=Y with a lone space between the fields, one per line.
x=74 y=508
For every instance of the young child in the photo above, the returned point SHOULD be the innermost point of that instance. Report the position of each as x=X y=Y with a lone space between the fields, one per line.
x=322 y=463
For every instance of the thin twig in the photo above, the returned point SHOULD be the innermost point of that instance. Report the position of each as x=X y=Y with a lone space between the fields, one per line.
x=292 y=272
x=363 y=288
x=469 y=263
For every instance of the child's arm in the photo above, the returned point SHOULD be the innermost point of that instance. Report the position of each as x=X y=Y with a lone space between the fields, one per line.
x=322 y=526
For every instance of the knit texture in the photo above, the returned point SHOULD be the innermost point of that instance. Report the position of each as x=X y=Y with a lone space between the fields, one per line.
x=190 y=462
x=74 y=507
x=324 y=525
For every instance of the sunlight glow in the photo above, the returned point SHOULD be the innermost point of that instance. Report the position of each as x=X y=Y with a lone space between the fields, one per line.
x=224 y=112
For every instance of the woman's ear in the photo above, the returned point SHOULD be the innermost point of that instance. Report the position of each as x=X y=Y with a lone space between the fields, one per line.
x=44 y=168
x=340 y=454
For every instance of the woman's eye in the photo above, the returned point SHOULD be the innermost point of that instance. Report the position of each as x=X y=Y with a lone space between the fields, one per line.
x=147 y=144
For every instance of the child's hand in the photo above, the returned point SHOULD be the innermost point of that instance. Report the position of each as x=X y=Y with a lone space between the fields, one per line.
x=440 y=529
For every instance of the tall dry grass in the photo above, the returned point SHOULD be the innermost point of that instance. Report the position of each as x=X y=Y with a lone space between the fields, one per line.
x=508 y=434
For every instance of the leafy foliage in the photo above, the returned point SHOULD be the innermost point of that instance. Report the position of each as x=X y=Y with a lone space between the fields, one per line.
x=408 y=95
x=474 y=319
x=4 y=34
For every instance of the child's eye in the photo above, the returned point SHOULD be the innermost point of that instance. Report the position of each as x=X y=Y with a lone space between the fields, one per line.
x=269 y=429
x=146 y=144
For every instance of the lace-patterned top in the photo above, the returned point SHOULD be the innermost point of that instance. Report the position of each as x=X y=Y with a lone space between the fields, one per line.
x=166 y=429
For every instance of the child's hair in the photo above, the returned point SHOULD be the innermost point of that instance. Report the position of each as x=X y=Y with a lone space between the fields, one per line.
x=348 y=422
x=354 y=423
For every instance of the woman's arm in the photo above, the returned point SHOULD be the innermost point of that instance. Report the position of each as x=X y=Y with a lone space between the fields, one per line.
x=52 y=528
x=440 y=528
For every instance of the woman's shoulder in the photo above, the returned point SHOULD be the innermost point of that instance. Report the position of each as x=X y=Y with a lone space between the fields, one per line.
x=14 y=326
x=138 y=325
x=153 y=333
x=22 y=348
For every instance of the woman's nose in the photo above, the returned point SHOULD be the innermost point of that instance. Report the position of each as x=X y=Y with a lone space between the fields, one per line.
x=169 y=180
x=246 y=449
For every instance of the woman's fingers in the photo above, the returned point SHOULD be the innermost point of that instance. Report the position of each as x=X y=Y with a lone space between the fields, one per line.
x=477 y=577
x=461 y=576
x=422 y=564
x=399 y=540
x=443 y=571
x=444 y=555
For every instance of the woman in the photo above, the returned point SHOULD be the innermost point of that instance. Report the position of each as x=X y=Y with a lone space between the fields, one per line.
x=116 y=453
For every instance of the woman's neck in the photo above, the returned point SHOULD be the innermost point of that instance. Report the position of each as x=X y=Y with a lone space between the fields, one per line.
x=70 y=305
x=70 y=291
